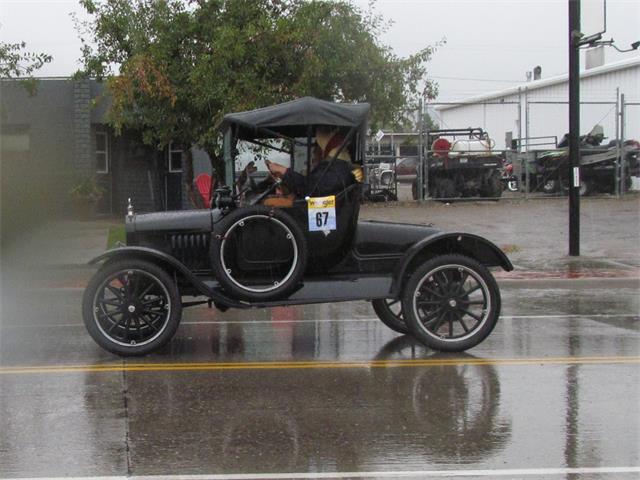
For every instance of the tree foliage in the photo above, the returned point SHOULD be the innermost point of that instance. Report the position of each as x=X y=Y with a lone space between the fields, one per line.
x=16 y=62
x=174 y=68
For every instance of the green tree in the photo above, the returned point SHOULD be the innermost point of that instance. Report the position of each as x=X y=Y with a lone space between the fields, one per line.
x=173 y=68
x=16 y=62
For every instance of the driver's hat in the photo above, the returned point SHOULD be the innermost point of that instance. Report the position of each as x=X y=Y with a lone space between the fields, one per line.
x=330 y=142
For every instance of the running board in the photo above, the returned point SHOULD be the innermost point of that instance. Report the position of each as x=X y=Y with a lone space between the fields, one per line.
x=321 y=290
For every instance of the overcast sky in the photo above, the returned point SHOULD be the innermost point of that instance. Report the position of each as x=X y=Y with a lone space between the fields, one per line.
x=490 y=44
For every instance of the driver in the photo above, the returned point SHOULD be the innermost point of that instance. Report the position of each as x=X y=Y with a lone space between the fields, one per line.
x=328 y=176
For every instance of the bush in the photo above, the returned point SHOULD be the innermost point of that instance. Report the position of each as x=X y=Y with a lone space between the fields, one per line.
x=86 y=190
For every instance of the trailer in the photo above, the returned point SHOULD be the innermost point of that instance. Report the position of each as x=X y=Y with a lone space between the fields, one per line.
x=601 y=167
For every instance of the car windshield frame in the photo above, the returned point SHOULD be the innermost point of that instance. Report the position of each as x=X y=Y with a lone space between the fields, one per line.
x=293 y=122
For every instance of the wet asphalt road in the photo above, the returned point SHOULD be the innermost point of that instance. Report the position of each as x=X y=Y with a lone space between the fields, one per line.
x=552 y=393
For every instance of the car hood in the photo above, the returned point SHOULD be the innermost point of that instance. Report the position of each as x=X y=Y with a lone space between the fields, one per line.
x=191 y=220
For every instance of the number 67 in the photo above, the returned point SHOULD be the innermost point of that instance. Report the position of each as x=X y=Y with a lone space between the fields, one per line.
x=320 y=221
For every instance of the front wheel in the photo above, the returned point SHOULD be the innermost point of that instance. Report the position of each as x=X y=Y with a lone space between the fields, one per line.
x=451 y=303
x=131 y=307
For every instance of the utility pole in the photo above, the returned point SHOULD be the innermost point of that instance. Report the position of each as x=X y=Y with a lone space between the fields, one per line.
x=574 y=127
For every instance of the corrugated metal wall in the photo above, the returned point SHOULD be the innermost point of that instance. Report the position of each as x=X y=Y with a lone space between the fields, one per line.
x=553 y=119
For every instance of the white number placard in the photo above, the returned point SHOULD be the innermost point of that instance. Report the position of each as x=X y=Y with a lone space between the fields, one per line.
x=322 y=213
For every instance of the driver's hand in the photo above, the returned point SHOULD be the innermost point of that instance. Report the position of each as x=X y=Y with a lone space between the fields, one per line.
x=276 y=169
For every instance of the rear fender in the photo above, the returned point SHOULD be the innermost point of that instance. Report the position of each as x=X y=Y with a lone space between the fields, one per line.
x=467 y=244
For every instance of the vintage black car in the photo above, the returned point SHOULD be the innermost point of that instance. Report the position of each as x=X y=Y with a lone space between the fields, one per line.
x=259 y=246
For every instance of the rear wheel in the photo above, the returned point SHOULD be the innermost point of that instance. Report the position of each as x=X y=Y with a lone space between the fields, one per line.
x=451 y=303
x=389 y=311
x=131 y=307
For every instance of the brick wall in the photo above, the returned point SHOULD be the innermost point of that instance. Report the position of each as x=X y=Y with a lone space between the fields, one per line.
x=83 y=158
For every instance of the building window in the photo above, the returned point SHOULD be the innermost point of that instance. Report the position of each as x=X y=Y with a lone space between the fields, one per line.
x=102 y=152
x=14 y=141
x=175 y=157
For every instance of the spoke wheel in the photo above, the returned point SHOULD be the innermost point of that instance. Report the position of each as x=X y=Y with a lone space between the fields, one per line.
x=389 y=311
x=131 y=307
x=451 y=303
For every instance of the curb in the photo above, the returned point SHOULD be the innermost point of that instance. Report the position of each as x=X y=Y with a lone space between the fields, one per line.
x=569 y=283
x=568 y=274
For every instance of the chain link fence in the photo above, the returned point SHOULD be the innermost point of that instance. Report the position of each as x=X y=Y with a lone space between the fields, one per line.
x=506 y=152
x=630 y=140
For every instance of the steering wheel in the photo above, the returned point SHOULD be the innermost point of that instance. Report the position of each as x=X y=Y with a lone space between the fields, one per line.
x=261 y=196
x=249 y=182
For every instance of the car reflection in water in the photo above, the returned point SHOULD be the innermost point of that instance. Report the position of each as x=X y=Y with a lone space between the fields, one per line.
x=456 y=407
x=336 y=419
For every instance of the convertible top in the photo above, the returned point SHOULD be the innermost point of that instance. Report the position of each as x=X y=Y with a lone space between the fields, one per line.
x=292 y=118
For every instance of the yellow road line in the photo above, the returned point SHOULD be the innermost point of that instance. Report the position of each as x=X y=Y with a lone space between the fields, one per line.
x=436 y=362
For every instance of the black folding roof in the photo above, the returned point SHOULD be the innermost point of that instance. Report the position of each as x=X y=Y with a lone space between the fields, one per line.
x=292 y=118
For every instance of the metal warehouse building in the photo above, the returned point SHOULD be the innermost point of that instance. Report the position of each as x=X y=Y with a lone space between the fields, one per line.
x=610 y=96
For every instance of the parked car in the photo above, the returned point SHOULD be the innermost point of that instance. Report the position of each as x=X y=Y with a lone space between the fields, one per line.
x=264 y=249
x=406 y=169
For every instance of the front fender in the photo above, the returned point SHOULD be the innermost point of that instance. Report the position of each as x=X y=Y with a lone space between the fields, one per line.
x=443 y=243
x=167 y=260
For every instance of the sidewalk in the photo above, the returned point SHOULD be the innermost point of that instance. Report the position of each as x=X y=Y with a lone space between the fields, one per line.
x=534 y=234
x=55 y=254
x=60 y=244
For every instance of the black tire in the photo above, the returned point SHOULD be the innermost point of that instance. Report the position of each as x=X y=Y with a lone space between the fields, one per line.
x=586 y=187
x=390 y=316
x=493 y=187
x=242 y=288
x=447 y=188
x=414 y=189
x=131 y=307
x=389 y=196
x=447 y=283
x=512 y=185
x=551 y=186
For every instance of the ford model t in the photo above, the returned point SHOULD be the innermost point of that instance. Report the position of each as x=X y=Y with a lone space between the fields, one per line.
x=292 y=236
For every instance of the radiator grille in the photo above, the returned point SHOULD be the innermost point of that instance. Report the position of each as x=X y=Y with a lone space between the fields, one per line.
x=192 y=249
